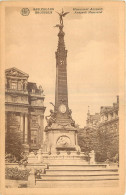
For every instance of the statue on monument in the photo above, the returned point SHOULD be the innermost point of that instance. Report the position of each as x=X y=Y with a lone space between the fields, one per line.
x=61 y=15
x=52 y=117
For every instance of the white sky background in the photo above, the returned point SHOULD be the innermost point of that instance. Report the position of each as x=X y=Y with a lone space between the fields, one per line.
x=93 y=56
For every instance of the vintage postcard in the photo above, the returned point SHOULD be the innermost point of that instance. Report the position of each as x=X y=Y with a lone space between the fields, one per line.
x=62 y=98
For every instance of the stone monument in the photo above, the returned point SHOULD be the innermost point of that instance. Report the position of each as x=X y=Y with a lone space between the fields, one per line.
x=61 y=131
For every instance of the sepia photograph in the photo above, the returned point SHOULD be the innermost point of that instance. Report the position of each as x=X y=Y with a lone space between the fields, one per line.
x=63 y=96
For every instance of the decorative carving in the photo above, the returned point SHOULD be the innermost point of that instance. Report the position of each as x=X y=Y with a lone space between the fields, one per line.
x=70 y=117
x=68 y=152
x=21 y=84
x=15 y=73
x=62 y=108
x=52 y=104
x=23 y=99
x=63 y=141
x=25 y=85
x=51 y=118
x=14 y=99
x=41 y=89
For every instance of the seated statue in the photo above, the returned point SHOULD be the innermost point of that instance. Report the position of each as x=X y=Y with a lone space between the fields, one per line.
x=51 y=118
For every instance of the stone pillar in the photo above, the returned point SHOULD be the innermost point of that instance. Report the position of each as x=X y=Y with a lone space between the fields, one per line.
x=26 y=129
x=31 y=178
x=41 y=129
x=21 y=126
x=26 y=146
x=76 y=139
x=9 y=83
x=21 y=122
x=92 y=157
x=6 y=118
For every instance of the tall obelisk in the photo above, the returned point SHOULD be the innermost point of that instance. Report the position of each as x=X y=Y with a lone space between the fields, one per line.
x=61 y=132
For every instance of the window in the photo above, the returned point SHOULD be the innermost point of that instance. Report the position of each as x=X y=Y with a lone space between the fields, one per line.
x=13 y=85
x=33 y=90
x=34 y=140
x=19 y=86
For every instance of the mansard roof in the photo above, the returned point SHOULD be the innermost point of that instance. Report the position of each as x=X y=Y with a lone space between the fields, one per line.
x=15 y=72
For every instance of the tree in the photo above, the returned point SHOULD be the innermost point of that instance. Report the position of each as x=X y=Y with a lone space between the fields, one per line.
x=13 y=143
x=88 y=139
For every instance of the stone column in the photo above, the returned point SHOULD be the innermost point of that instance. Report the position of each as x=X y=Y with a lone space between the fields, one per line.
x=21 y=122
x=76 y=139
x=26 y=128
x=26 y=146
x=31 y=178
x=41 y=129
x=9 y=83
x=21 y=125
x=6 y=118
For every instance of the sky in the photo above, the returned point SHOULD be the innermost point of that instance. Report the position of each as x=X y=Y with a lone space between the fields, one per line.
x=92 y=41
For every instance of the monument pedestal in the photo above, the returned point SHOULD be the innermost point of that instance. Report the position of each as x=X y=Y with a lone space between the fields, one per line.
x=58 y=157
x=64 y=157
x=61 y=138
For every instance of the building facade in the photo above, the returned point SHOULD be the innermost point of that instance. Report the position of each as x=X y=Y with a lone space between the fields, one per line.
x=101 y=133
x=24 y=109
x=108 y=118
x=108 y=130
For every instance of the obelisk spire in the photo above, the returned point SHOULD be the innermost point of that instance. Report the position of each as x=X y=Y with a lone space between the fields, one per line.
x=61 y=93
x=62 y=113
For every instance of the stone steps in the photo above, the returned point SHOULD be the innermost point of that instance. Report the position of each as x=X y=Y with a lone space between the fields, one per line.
x=66 y=175
x=77 y=184
x=85 y=177
x=81 y=172
x=75 y=167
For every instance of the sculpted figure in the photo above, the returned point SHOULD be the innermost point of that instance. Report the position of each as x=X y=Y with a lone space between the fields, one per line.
x=61 y=15
x=70 y=112
x=25 y=85
x=51 y=118
x=41 y=89
x=21 y=84
x=72 y=121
